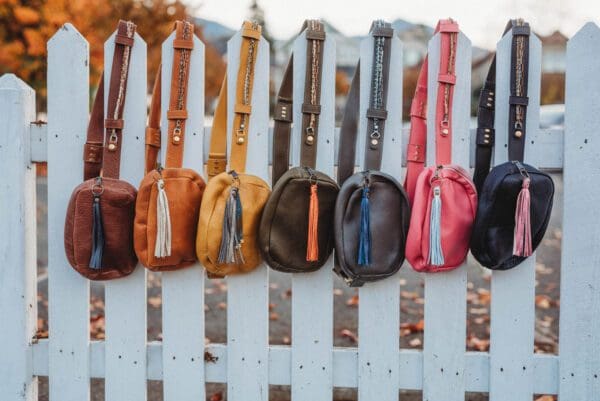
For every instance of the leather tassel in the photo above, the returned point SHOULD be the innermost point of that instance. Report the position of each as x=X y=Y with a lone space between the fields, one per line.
x=364 y=244
x=436 y=253
x=312 y=245
x=97 y=235
x=162 y=247
x=230 y=250
x=522 y=235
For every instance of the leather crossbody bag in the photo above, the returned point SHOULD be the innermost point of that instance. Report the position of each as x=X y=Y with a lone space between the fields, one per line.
x=99 y=221
x=444 y=199
x=227 y=239
x=515 y=200
x=296 y=233
x=169 y=197
x=372 y=211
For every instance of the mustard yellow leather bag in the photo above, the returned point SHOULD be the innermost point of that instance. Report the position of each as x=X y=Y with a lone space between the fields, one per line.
x=233 y=201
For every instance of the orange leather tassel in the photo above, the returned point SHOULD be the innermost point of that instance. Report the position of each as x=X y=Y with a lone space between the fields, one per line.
x=312 y=246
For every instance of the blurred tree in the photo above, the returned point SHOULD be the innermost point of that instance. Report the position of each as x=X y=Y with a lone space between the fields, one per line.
x=342 y=83
x=26 y=26
x=553 y=88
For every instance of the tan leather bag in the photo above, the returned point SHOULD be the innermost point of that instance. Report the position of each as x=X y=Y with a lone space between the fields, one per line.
x=233 y=201
x=98 y=233
x=169 y=198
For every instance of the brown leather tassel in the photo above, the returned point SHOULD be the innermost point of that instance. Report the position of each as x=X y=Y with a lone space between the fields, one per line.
x=312 y=246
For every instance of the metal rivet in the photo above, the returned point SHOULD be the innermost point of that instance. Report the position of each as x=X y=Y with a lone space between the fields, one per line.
x=240 y=140
x=487 y=130
x=490 y=99
x=310 y=139
x=489 y=105
x=176 y=138
x=518 y=134
x=492 y=93
x=445 y=131
x=112 y=146
x=374 y=142
x=486 y=141
x=486 y=135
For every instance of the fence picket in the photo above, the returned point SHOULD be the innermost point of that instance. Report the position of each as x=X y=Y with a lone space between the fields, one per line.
x=446 y=293
x=68 y=292
x=513 y=291
x=183 y=290
x=579 y=339
x=312 y=293
x=125 y=299
x=248 y=296
x=18 y=305
x=379 y=305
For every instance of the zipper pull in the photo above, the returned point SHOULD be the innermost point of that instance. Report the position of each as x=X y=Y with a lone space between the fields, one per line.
x=521 y=169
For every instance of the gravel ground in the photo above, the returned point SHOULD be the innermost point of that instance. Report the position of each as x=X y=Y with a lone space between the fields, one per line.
x=345 y=310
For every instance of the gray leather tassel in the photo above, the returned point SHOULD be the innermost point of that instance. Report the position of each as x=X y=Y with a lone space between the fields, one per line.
x=230 y=250
x=97 y=235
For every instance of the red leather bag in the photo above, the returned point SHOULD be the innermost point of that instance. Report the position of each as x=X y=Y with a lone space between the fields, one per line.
x=443 y=197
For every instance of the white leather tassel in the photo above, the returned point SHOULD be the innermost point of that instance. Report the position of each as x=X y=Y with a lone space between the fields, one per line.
x=436 y=254
x=162 y=247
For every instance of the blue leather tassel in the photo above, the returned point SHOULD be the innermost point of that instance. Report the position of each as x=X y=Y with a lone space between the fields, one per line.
x=364 y=244
x=97 y=235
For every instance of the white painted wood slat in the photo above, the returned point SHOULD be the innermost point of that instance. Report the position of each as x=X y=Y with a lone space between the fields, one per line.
x=248 y=296
x=312 y=293
x=183 y=290
x=68 y=292
x=446 y=292
x=579 y=339
x=18 y=253
x=513 y=291
x=379 y=302
x=125 y=298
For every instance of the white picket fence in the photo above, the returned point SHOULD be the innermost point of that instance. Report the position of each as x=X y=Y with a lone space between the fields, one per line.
x=378 y=368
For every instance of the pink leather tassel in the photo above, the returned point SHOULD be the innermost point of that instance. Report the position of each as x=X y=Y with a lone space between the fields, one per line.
x=522 y=237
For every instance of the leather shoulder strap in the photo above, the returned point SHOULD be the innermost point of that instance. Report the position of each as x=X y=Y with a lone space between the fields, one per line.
x=113 y=124
x=177 y=113
x=311 y=108
x=217 y=158
x=417 y=144
x=94 y=145
x=382 y=33
x=518 y=101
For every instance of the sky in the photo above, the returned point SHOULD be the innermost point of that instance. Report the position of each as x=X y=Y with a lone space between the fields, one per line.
x=481 y=20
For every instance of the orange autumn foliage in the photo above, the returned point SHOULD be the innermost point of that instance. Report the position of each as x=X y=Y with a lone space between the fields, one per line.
x=27 y=25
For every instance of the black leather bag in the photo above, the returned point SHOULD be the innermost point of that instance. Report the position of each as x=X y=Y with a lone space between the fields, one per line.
x=515 y=199
x=296 y=232
x=372 y=212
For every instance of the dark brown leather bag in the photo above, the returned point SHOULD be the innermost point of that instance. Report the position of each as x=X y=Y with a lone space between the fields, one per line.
x=168 y=202
x=296 y=232
x=372 y=211
x=99 y=222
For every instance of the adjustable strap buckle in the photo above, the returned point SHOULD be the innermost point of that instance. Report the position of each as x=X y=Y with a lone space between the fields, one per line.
x=153 y=137
x=415 y=153
x=92 y=152
x=216 y=164
x=283 y=112
x=485 y=137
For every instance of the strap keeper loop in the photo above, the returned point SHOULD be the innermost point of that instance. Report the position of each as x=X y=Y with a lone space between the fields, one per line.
x=92 y=152
x=187 y=44
x=177 y=115
x=283 y=112
x=311 y=108
x=123 y=40
x=313 y=34
x=384 y=32
x=153 y=137
x=379 y=114
x=242 y=108
x=521 y=30
x=485 y=137
x=447 y=79
x=415 y=153
x=250 y=33
x=109 y=123
x=519 y=100
x=448 y=27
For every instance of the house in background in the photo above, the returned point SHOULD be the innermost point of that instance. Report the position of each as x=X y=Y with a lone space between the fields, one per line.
x=554 y=52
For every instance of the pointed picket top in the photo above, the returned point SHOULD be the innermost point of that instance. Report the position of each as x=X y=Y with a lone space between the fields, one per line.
x=67 y=32
x=12 y=82
x=588 y=31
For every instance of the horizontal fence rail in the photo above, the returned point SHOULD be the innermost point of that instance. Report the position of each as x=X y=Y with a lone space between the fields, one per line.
x=311 y=365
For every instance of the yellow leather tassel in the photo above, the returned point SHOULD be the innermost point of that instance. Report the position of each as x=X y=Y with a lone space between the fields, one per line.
x=312 y=246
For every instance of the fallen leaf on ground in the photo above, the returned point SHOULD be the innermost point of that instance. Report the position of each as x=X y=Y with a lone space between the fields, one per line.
x=155 y=302
x=543 y=301
x=479 y=344
x=412 y=328
x=352 y=301
x=337 y=292
x=349 y=335
x=222 y=305
x=216 y=396
x=415 y=342
x=408 y=295
x=273 y=316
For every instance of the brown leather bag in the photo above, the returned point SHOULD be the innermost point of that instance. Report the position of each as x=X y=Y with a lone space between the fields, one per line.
x=168 y=202
x=296 y=229
x=233 y=201
x=99 y=221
